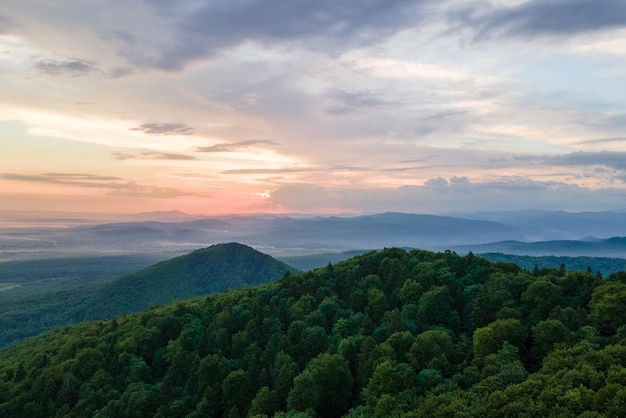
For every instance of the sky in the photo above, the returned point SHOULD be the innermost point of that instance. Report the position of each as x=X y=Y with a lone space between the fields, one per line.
x=312 y=106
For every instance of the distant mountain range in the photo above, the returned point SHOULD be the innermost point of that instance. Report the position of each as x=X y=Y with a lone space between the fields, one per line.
x=174 y=233
x=541 y=225
x=612 y=247
x=373 y=230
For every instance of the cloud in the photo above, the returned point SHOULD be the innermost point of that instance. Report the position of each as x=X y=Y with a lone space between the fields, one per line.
x=5 y=24
x=153 y=155
x=235 y=146
x=270 y=170
x=345 y=101
x=332 y=169
x=603 y=140
x=359 y=93
x=437 y=183
x=440 y=195
x=115 y=185
x=73 y=67
x=81 y=176
x=393 y=68
x=164 y=129
x=299 y=198
x=222 y=24
x=613 y=121
x=120 y=35
x=543 y=18
x=75 y=179
x=132 y=189
x=616 y=160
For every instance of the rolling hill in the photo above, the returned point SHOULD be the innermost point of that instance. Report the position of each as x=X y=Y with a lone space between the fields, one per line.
x=276 y=235
x=202 y=272
x=602 y=265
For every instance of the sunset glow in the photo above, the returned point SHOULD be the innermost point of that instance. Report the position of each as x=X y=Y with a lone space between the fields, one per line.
x=220 y=107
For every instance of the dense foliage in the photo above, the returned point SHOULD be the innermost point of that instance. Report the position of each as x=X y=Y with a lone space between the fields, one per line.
x=202 y=272
x=601 y=265
x=317 y=260
x=389 y=333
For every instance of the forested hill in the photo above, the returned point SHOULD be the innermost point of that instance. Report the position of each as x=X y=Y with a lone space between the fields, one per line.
x=202 y=272
x=382 y=334
x=600 y=265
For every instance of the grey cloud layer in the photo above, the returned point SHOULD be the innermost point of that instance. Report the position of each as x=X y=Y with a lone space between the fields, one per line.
x=441 y=195
x=69 y=67
x=153 y=155
x=231 y=147
x=164 y=129
x=5 y=24
x=223 y=24
x=604 y=140
x=543 y=17
x=78 y=179
x=334 y=169
x=115 y=185
x=616 y=160
x=172 y=34
x=345 y=101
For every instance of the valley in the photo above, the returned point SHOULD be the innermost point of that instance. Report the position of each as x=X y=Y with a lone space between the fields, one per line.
x=166 y=235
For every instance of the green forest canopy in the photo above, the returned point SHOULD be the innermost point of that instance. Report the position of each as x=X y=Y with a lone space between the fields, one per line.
x=388 y=333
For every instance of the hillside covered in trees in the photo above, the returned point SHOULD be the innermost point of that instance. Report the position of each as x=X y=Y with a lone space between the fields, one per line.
x=598 y=265
x=201 y=272
x=384 y=334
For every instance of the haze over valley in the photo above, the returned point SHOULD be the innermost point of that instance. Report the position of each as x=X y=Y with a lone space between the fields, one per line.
x=173 y=233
